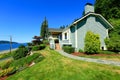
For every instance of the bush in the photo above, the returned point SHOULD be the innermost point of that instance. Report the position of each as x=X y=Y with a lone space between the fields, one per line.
x=40 y=58
x=8 y=71
x=92 y=43
x=42 y=46
x=21 y=52
x=80 y=50
x=38 y=47
x=45 y=42
x=11 y=67
x=113 y=44
x=68 y=49
x=31 y=58
x=18 y=63
x=25 y=60
x=5 y=64
x=29 y=44
x=35 y=48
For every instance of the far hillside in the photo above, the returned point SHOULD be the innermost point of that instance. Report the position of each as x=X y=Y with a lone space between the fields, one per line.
x=5 y=42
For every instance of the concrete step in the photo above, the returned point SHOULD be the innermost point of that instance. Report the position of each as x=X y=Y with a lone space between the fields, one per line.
x=57 y=46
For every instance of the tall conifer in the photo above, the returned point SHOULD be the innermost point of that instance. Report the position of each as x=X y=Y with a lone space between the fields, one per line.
x=44 y=29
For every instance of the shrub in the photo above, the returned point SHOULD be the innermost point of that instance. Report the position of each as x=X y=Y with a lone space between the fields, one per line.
x=8 y=71
x=45 y=42
x=68 y=49
x=40 y=58
x=21 y=52
x=92 y=43
x=25 y=60
x=112 y=44
x=42 y=46
x=80 y=50
x=6 y=63
x=29 y=44
x=31 y=58
x=38 y=47
x=18 y=63
x=35 y=48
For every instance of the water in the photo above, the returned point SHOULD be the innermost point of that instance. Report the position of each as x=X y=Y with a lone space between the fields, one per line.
x=4 y=47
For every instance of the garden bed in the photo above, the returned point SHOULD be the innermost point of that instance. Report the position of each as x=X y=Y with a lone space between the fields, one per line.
x=114 y=57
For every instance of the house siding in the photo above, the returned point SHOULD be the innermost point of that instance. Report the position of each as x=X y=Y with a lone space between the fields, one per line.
x=90 y=24
x=67 y=40
x=72 y=35
x=81 y=27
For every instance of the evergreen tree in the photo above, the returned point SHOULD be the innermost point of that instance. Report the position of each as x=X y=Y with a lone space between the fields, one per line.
x=113 y=42
x=108 y=8
x=44 y=29
x=62 y=27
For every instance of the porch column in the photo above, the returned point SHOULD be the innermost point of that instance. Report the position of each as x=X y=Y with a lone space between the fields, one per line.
x=76 y=36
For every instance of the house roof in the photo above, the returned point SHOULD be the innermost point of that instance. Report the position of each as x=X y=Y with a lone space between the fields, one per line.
x=55 y=30
x=37 y=37
x=89 y=14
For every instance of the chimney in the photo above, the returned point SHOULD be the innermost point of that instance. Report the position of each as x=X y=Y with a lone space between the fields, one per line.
x=89 y=8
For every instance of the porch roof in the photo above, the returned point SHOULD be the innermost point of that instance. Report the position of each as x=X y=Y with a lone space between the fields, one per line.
x=55 y=31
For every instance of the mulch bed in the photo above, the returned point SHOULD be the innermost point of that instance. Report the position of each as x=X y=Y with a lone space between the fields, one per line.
x=83 y=54
x=4 y=78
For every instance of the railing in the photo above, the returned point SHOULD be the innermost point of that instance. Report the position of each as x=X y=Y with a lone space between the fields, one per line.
x=64 y=42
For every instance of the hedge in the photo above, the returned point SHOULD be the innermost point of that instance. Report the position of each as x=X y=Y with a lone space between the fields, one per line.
x=68 y=49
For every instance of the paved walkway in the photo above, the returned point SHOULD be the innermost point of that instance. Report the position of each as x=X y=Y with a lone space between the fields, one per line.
x=110 y=62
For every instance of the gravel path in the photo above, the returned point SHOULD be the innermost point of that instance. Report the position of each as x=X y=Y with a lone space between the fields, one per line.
x=110 y=62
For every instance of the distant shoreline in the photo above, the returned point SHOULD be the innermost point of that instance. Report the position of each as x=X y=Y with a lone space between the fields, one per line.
x=6 y=51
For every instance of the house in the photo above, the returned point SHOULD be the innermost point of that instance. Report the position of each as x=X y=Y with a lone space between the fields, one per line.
x=74 y=35
x=37 y=40
x=54 y=37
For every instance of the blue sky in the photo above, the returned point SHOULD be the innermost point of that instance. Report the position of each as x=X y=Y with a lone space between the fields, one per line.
x=22 y=18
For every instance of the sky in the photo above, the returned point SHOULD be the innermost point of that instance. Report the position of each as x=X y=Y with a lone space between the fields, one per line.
x=22 y=19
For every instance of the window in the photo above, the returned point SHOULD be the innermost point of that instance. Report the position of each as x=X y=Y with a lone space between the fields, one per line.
x=60 y=36
x=65 y=35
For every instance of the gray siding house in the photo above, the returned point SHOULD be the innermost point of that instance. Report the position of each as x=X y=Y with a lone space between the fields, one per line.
x=74 y=35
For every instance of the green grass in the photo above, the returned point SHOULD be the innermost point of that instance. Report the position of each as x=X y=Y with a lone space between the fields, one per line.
x=58 y=67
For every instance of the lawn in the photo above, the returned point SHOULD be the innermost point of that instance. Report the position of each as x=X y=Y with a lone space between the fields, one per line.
x=58 y=67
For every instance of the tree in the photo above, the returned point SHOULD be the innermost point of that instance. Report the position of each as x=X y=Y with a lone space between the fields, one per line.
x=92 y=43
x=44 y=29
x=108 y=8
x=113 y=42
x=62 y=27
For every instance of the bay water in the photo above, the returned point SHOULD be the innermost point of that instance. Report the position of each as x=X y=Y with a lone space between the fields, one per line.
x=6 y=46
